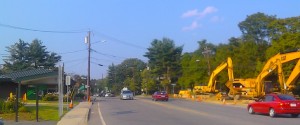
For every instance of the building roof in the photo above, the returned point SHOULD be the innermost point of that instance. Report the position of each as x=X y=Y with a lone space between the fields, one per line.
x=29 y=74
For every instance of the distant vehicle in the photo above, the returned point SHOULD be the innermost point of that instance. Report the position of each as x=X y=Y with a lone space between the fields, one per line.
x=96 y=95
x=163 y=96
x=274 y=104
x=109 y=95
x=126 y=94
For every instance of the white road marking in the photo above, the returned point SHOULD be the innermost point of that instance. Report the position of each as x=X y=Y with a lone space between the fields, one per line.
x=100 y=115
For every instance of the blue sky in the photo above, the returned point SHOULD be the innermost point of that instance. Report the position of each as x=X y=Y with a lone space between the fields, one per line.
x=127 y=26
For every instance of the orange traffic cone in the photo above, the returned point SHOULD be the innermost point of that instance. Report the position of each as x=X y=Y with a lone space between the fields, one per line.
x=199 y=99
x=71 y=104
x=224 y=101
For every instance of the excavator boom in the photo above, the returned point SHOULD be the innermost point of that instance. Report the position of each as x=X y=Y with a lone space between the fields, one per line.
x=211 y=86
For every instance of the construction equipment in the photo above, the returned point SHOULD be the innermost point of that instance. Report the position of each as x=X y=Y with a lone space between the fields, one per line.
x=211 y=86
x=258 y=86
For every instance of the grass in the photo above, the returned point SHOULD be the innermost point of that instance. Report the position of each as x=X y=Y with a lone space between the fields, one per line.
x=48 y=111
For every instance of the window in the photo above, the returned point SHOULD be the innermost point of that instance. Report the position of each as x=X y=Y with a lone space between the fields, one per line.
x=286 y=97
x=269 y=98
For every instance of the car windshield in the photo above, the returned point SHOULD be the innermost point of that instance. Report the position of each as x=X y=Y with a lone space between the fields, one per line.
x=161 y=93
x=126 y=92
x=286 y=97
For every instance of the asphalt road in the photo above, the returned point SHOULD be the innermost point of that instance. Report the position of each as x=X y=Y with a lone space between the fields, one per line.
x=144 y=111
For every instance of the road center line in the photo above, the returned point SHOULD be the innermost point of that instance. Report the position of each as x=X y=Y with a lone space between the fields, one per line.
x=100 y=115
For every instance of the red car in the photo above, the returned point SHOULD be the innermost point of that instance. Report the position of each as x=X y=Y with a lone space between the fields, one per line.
x=160 y=96
x=273 y=104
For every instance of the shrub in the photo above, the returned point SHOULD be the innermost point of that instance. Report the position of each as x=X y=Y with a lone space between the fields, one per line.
x=50 y=97
x=9 y=105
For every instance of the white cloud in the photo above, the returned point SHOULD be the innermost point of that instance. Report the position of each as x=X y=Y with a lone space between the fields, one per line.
x=190 y=13
x=193 y=26
x=195 y=13
x=208 y=10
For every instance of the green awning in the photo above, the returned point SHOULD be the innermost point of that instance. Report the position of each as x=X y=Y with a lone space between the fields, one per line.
x=29 y=74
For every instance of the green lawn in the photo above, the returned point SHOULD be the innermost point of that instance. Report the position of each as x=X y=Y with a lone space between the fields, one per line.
x=48 y=110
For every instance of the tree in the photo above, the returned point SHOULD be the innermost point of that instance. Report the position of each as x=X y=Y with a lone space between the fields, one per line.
x=255 y=27
x=148 y=81
x=126 y=74
x=164 y=60
x=18 y=58
x=29 y=56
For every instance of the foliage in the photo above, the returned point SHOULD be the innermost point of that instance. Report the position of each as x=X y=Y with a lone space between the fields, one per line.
x=126 y=74
x=164 y=61
x=28 y=56
x=50 y=97
x=8 y=106
x=255 y=27
x=148 y=82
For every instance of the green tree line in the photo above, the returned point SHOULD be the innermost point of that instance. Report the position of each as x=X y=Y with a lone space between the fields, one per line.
x=262 y=37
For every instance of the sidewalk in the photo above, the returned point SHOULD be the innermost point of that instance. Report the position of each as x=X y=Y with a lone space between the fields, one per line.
x=77 y=116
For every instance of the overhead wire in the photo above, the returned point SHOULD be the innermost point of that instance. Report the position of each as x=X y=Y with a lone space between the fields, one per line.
x=102 y=59
x=72 y=51
x=74 y=60
x=121 y=41
x=108 y=55
x=37 y=30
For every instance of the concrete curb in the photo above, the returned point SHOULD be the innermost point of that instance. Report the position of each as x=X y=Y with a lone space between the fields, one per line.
x=77 y=116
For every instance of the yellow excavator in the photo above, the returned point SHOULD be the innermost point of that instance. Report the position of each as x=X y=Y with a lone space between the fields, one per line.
x=211 y=86
x=256 y=87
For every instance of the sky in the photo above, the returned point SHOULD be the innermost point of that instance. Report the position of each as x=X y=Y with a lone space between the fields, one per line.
x=122 y=29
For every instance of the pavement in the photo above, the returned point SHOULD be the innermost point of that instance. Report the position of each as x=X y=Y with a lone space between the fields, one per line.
x=77 y=116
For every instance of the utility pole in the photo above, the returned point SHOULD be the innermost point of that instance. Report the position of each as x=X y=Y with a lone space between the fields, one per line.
x=88 y=40
x=206 y=54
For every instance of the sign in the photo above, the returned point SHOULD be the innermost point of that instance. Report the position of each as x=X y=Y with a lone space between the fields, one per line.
x=68 y=80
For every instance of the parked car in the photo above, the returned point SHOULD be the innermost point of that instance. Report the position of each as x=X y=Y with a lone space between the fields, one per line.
x=126 y=94
x=163 y=96
x=274 y=104
x=1 y=122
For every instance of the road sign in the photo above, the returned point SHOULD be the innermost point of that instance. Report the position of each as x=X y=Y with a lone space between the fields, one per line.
x=68 y=80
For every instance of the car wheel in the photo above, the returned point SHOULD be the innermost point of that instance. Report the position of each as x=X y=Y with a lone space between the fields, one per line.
x=294 y=115
x=250 y=110
x=272 y=112
x=167 y=99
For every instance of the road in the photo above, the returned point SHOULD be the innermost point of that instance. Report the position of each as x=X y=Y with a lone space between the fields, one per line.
x=144 y=111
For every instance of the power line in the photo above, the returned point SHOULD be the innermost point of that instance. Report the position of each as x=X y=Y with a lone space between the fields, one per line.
x=74 y=60
x=122 y=42
x=102 y=59
x=108 y=55
x=72 y=51
x=37 y=30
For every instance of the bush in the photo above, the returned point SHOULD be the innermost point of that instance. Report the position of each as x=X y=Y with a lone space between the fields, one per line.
x=50 y=97
x=9 y=105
